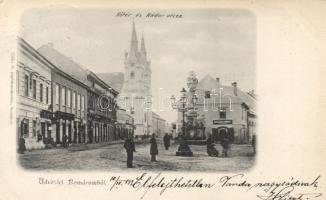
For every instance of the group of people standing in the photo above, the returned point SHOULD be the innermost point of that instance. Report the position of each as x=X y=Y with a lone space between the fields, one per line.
x=225 y=142
x=212 y=151
x=129 y=145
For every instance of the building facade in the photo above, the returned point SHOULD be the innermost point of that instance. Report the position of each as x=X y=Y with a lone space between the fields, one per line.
x=102 y=110
x=125 y=124
x=159 y=125
x=69 y=108
x=136 y=91
x=69 y=97
x=225 y=111
x=33 y=86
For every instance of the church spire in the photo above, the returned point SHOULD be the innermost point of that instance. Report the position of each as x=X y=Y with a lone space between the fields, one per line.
x=134 y=42
x=142 y=47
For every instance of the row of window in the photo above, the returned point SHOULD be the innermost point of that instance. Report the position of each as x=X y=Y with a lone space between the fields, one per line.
x=132 y=75
x=32 y=85
x=252 y=123
x=69 y=98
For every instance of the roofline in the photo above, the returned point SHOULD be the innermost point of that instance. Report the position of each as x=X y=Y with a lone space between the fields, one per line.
x=53 y=66
x=25 y=45
x=59 y=71
x=89 y=72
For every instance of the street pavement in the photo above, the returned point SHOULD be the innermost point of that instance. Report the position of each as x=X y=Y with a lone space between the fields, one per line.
x=112 y=157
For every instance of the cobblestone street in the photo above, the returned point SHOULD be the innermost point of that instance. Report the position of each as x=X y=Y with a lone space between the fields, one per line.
x=113 y=158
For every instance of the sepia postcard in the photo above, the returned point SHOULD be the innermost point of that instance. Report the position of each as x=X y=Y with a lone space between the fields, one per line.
x=163 y=100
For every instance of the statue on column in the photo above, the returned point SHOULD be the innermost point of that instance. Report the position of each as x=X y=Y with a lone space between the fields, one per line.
x=192 y=83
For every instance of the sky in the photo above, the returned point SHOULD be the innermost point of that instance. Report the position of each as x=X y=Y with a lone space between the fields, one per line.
x=219 y=42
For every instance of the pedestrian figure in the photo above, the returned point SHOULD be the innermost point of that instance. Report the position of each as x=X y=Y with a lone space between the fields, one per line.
x=153 y=148
x=64 y=140
x=129 y=145
x=225 y=142
x=253 y=143
x=166 y=140
x=21 y=145
x=211 y=150
x=39 y=137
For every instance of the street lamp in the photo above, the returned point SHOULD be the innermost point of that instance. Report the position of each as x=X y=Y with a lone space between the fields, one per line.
x=183 y=149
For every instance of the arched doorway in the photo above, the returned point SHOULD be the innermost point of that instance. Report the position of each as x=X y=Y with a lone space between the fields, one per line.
x=223 y=132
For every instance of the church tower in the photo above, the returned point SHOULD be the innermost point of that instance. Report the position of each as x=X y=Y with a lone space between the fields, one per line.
x=136 y=90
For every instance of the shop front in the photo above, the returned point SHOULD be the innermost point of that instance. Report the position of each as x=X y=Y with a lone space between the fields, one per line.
x=64 y=125
x=100 y=128
x=46 y=126
x=223 y=129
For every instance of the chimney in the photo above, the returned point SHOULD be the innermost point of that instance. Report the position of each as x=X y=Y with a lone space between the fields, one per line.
x=235 y=88
x=217 y=79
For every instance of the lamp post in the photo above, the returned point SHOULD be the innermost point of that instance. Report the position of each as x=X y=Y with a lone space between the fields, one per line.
x=183 y=149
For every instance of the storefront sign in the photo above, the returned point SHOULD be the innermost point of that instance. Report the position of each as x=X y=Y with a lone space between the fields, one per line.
x=46 y=114
x=64 y=115
x=222 y=121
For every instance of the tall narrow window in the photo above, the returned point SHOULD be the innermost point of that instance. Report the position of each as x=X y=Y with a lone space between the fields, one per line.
x=222 y=113
x=47 y=95
x=74 y=100
x=24 y=127
x=57 y=94
x=41 y=92
x=244 y=114
x=83 y=103
x=26 y=85
x=68 y=98
x=34 y=128
x=17 y=81
x=34 y=89
x=63 y=96
x=78 y=101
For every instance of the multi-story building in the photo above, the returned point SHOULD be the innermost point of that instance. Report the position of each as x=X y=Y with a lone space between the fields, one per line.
x=83 y=104
x=224 y=110
x=69 y=98
x=125 y=124
x=102 y=110
x=33 y=96
x=125 y=121
x=159 y=125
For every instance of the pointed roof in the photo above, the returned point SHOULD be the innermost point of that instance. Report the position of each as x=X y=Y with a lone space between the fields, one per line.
x=134 y=41
x=142 y=47
x=207 y=83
